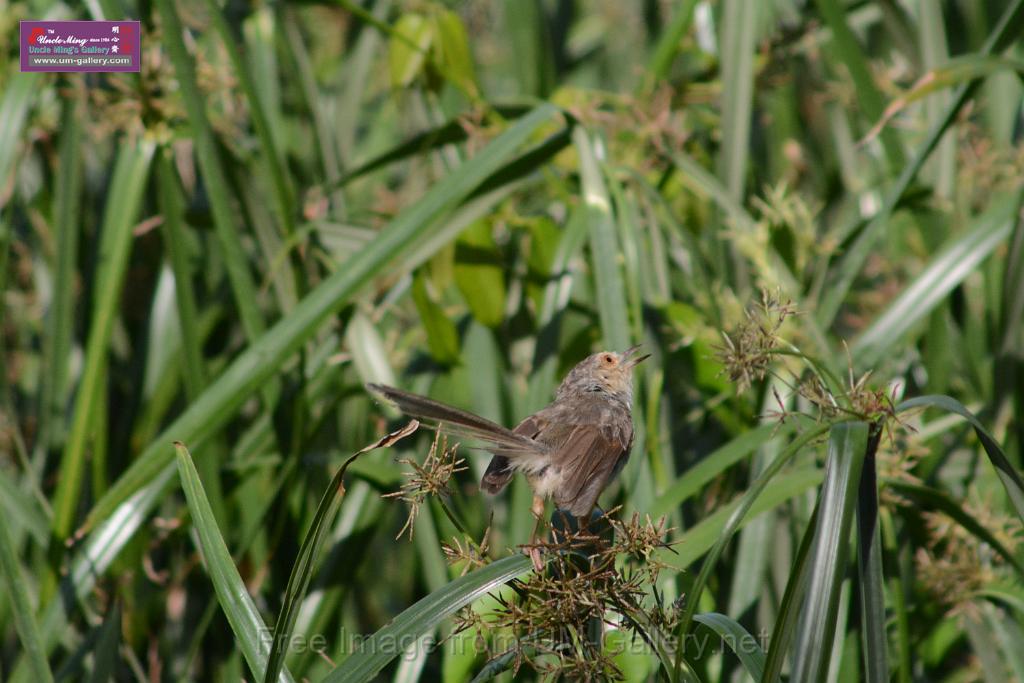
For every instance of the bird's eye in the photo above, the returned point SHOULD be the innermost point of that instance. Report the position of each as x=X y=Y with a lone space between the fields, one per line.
x=608 y=359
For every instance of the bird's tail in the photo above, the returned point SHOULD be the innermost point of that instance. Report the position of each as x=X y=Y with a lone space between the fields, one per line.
x=460 y=423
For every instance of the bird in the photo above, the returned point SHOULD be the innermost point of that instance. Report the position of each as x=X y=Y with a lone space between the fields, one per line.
x=570 y=450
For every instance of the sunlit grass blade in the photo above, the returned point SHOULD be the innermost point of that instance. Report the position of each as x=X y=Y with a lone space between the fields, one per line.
x=854 y=257
x=739 y=639
x=608 y=283
x=945 y=272
x=305 y=563
x=22 y=610
x=246 y=623
x=816 y=628
x=1008 y=475
x=127 y=188
x=737 y=55
x=383 y=646
x=789 y=609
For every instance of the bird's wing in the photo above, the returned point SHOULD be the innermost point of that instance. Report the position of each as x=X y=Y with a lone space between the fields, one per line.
x=499 y=470
x=460 y=423
x=589 y=457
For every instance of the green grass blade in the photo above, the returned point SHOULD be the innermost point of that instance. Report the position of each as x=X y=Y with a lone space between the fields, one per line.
x=739 y=639
x=668 y=44
x=608 y=283
x=869 y=566
x=127 y=188
x=19 y=94
x=283 y=194
x=692 y=480
x=737 y=49
x=1004 y=469
x=792 y=599
x=735 y=519
x=106 y=655
x=171 y=205
x=857 y=254
x=60 y=325
x=20 y=607
x=816 y=629
x=214 y=176
x=21 y=510
x=378 y=650
x=246 y=622
x=936 y=499
x=868 y=95
x=305 y=564
x=945 y=272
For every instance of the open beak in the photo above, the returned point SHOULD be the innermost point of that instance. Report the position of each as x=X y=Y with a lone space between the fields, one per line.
x=629 y=358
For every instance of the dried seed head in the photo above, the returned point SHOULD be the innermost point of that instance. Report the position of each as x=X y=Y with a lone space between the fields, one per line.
x=430 y=478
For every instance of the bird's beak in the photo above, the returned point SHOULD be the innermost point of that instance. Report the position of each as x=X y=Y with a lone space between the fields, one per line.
x=627 y=357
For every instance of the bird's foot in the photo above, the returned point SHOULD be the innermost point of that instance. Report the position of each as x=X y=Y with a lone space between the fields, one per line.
x=535 y=556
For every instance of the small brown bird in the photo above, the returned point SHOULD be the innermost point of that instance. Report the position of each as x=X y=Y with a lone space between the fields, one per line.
x=569 y=451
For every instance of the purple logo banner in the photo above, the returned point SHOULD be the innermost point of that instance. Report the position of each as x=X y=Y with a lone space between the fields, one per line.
x=78 y=46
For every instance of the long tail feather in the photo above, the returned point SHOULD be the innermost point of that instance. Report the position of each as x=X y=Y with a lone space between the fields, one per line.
x=460 y=423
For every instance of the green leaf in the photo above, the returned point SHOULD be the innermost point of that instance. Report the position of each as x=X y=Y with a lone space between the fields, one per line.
x=792 y=599
x=847 y=447
x=246 y=623
x=946 y=271
x=22 y=610
x=214 y=177
x=442 y=337
x=479 y=273
x=935 y=499
x=738 y=639
x=378 y=650
x=954 y=72
x=869 y=567
x=854 y=257
x=1004 y=469
x=305 y=564
x=60 y=325
x=20 y=91
x=126 y=191
x=452 y=53
x=407 y=55
x=106 y=654
x=710 y=466
x=611 y=300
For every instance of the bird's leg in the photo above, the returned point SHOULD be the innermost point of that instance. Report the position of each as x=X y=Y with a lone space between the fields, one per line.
x=538 y=514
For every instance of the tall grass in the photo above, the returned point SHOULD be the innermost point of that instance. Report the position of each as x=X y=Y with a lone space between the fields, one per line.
x=809 y=213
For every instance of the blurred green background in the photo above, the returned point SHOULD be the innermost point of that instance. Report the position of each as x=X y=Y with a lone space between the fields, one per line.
x=464 y=199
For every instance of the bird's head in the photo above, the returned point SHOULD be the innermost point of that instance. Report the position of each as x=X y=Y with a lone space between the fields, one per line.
x=606 y=372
